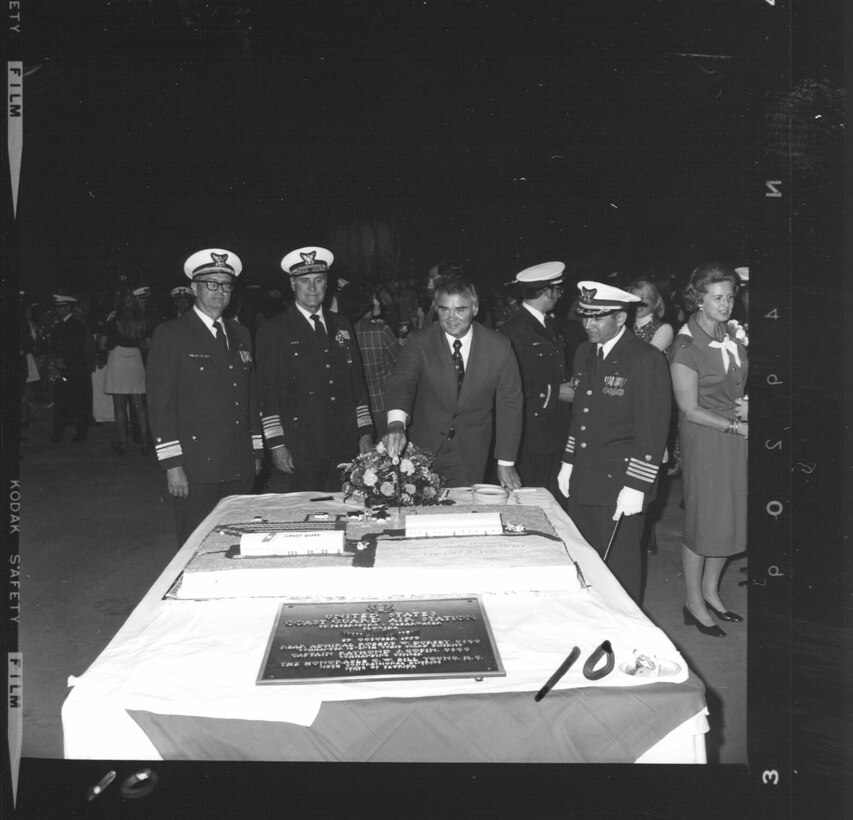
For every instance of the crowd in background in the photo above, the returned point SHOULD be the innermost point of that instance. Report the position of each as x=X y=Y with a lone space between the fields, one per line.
x=391 y=308
x=77 y=350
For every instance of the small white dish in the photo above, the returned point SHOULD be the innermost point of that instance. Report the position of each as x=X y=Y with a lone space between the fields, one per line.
x=664 y=669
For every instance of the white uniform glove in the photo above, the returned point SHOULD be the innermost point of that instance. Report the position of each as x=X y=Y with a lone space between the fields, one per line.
x=563 y=478
x=630 y=502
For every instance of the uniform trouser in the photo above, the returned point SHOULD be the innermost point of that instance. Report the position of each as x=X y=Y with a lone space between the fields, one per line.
x=201 y=499
x=72 y=403
x=309 y=476
x=625 y=560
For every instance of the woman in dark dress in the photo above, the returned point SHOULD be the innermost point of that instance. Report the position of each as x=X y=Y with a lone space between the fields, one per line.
x=709 y=370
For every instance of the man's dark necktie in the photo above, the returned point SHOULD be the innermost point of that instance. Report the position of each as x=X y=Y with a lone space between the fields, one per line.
x=552 y=330
x=599 y=360
x=221 y=338
x=458 y=364
x=319 y=329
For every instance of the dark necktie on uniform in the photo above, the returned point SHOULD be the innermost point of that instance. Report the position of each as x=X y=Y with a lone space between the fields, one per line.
x=221 y=338
x=319 y=329
x=458 y=364
x=551 y=329
x=599 y=359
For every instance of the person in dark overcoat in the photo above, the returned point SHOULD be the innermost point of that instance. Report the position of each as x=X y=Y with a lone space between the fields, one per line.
x=618 y=431
x=541 y=352
x=455 y=383
x=202 y=396
x=72 y=363
x=313 y=394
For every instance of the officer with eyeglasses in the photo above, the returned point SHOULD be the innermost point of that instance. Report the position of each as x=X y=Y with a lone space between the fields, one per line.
x=202 y=396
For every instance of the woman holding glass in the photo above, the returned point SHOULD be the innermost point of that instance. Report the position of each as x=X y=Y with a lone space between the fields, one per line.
x=709 y=371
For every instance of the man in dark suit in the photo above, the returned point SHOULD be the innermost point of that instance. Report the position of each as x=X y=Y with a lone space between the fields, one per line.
x=202 y=398
x=618 y=431
x=452 y=377
x=72 y=363
x=314 y=399
x=541 y=352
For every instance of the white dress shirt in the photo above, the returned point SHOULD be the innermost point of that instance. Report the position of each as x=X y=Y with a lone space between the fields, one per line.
x=307 y=314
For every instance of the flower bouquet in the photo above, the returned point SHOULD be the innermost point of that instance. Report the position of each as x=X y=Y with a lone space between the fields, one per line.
x=739 y=331
x=378 y=480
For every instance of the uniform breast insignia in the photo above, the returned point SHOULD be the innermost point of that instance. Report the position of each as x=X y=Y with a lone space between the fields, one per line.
x=246 y=356
x=615 y=385
x=199 y=355
x=342 y=338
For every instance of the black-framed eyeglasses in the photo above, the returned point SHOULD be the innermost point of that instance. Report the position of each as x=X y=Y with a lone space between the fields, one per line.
x=213 y=285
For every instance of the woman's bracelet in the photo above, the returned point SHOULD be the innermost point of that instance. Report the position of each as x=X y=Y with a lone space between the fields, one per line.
x=731 y=427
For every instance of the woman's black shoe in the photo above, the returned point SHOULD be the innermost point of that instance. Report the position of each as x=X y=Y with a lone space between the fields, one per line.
x=691 y=620
x=724 y=616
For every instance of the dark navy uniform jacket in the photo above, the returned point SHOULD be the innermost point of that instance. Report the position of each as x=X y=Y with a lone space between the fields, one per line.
x=202 y=400
x=543 y=366
x=620 y=421
x=313 y=395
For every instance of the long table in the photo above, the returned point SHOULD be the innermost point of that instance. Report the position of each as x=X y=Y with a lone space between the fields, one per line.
x=178 y=681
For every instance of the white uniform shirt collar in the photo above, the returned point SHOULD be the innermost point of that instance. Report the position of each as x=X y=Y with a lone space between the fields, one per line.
x=208 y=321
x=466 y=344
x=538 y=314
x=307 y=314
x=608 y=346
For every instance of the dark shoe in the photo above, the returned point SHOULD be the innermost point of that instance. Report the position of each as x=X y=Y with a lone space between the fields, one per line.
x=79 y=437
x=119 y=446
x=56 y=439
x=724 y=616
x=691 y=620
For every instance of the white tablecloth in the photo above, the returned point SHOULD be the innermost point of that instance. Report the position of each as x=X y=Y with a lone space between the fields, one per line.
x=202 y=657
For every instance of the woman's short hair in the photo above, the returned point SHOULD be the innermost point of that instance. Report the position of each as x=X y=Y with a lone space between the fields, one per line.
x=702 y=277
x=654 y=300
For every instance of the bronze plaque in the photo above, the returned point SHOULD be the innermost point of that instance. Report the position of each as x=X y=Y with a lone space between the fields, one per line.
x=379 y=640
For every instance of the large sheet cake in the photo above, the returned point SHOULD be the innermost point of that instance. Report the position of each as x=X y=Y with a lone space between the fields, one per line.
x=382 y=562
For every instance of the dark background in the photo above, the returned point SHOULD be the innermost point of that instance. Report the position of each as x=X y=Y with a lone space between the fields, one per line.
x=398 y=133
x=506 y=134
